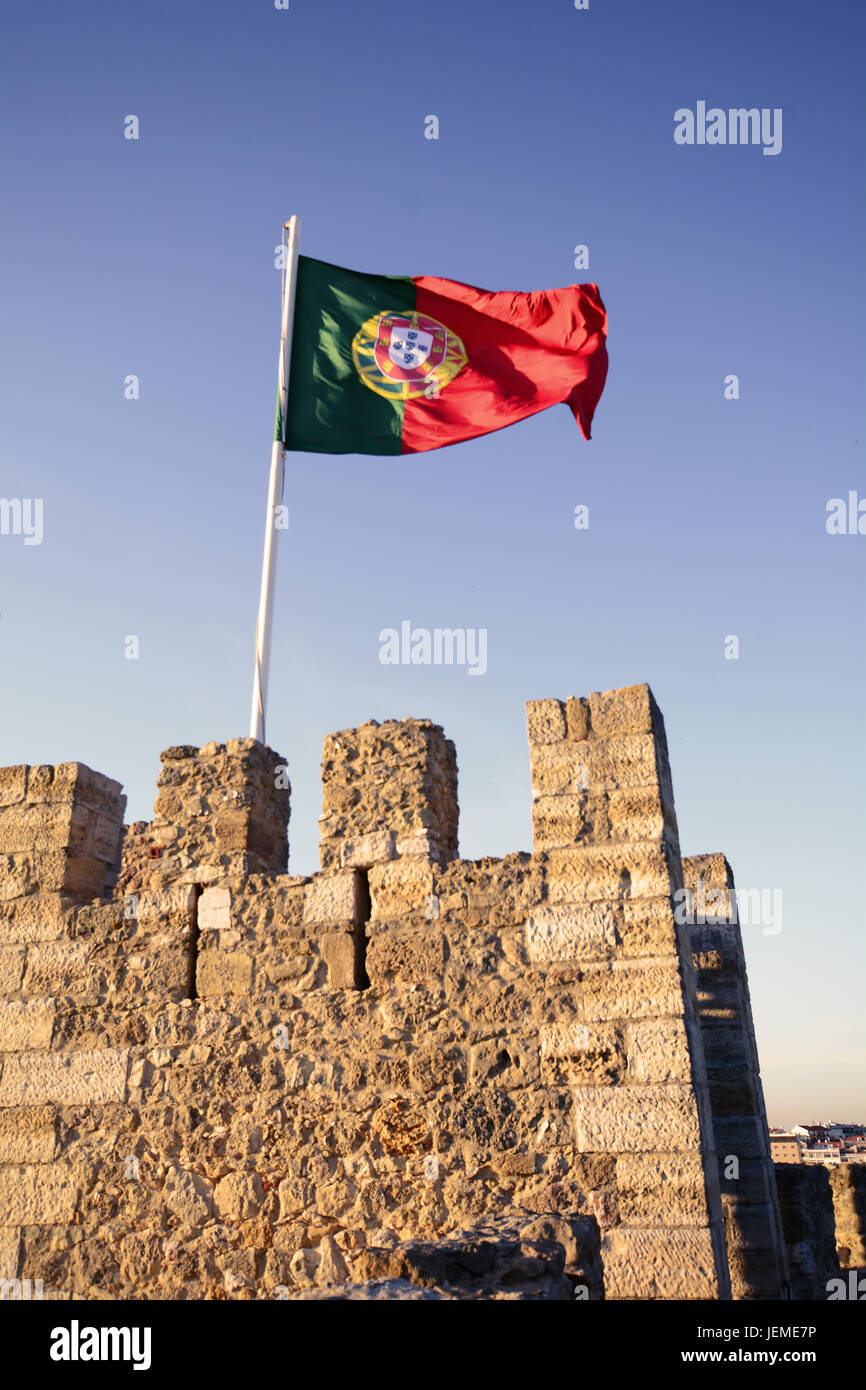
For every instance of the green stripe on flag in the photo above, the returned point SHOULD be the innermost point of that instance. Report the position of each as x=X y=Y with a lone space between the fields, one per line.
x=330 y=409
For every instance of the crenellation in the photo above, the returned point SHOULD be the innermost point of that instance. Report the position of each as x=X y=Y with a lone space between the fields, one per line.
x=219 y=1078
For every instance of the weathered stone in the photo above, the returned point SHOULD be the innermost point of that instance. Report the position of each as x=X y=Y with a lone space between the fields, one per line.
x=74 y=1078
x=37 y=1196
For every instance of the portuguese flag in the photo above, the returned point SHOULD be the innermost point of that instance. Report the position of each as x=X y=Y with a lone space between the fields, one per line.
x=387 y=364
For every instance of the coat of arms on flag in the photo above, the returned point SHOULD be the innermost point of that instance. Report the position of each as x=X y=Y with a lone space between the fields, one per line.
x=404 y=354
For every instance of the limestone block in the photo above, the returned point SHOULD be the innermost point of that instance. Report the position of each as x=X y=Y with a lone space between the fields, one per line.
x=37 y=917
x=37 y=1195
x=399 y=888
x=505 y=1061
x=56 y=967
x=545 y=721
x=577 y=718
x=638 y=813
x=176 y=901
x=28 y=1135
x=636 y=1119
x=661 y=1189
x=633 y=989
x=189 y=1195
x=558 y=768
x=749 y=1226
x=362 y=851
x=406 y=956
x=215 y=910
x=743 y=1136
x=10 y=1249
x=13 y=782
x=238 y=1197
x=71 y=1078
x=26 y=1024
x=561 y=820
x=575 y=1054
x=659 y=1263
x=339 y=951
x=649 y=928
x=582 y=931
x=223 y=972
x=658 y=1052
x=623 y=762
x=631 y=710
x=585 y=874
x=332 y=898
x=11 y=969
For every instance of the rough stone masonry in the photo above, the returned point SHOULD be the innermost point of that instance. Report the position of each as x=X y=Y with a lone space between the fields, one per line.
x=511 y=1078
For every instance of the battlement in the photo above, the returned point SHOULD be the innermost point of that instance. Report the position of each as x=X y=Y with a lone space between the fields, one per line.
x=221 y=1079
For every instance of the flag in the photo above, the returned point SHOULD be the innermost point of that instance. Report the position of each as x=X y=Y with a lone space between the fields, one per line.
x=387 y=364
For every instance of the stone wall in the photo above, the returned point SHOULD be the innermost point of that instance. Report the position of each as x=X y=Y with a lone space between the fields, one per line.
x=220 y=1080
x=756 y=1249
x=848 y=1186
x=808 y=1221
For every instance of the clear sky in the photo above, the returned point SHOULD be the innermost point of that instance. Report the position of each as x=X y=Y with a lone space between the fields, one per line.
x=155 y=257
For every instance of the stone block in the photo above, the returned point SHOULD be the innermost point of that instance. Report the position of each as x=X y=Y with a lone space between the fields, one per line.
x=582 y=931
x=636 y=1119
x=585 y=874
x=362 y=851
x=10 y=1250
x=743 y=1137
x=37 y=917
x=399 y=888
x=558 y=768
x=575 y=1054
x=12 y=960
x=37 y=1195
x=626 y=761
x=333 y=898
x=660 y=1262
x=545 y=721
x=633 y=989
x=577 y=719
x=238 y=1196
x=339 y=951
x=26 y=1024
x=28 y=1134
x=649 y=928
x=56 y=967
x=658 y=1052
x=631 y=710
x=215 y=910
x=405 y=956
x=560 y=820
x=71 y=1078
x=13 y=784
x=661 y=1189
x=223 y=973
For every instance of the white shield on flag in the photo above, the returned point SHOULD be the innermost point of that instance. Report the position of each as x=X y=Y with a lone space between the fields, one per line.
x=409 y=348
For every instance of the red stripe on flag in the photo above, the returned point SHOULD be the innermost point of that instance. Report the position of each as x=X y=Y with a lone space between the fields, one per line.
x=525 y=352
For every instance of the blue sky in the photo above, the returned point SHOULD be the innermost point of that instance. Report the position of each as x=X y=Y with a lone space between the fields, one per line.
x=707 y=516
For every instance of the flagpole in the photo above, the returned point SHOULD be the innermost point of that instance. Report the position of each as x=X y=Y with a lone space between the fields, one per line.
x=264 y=624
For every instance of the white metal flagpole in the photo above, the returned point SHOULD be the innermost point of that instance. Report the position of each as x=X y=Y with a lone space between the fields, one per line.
x=264 y=625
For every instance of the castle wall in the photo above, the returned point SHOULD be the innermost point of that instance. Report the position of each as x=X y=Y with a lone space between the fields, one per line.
x=221 y=1080
x=756 y=1248
x=602 y=935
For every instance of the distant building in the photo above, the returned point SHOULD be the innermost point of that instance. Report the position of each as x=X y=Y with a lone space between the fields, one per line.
x=785 y=1147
